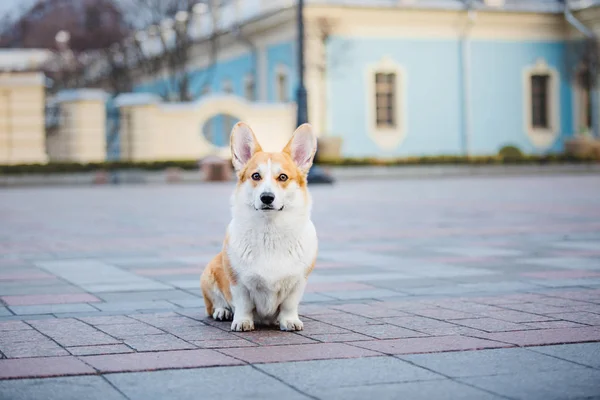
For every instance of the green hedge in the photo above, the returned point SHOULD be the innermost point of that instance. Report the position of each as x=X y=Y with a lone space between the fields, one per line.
x=462 y=160
x=190 y=165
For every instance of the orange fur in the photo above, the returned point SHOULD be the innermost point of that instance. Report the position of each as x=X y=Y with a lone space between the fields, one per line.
x=216 y=276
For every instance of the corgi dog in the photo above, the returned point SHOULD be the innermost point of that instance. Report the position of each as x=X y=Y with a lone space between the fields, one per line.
x=270 y=246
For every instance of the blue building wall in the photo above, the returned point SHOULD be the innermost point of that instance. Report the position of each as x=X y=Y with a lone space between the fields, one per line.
x=434 y=94
x=497 y=93
x=282 y=54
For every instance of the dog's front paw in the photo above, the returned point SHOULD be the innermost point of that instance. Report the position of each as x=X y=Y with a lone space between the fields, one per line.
x=242 y=325
x=222 y=314
x=291 y=324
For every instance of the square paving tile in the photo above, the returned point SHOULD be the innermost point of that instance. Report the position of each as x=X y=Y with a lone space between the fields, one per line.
x=429 y=345
x=68 y=388
x=580 y=353
x=574 y=383
x=298 y=352
x=158 y=360
x=207 y=383
x=43 y=367
x=313 y=376
x=444 y=390
x=488 y=362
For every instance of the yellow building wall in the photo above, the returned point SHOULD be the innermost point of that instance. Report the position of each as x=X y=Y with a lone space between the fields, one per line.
x=22 y=127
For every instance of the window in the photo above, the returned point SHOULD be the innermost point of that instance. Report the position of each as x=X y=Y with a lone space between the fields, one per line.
x=385 y=100
x=282 y=86
x=539 y=101
x=541 y=107
x=386 y=90
x=584 y=102
x=249 y=88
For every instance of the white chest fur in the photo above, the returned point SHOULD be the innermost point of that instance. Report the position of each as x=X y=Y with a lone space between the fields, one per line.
x=270 y=258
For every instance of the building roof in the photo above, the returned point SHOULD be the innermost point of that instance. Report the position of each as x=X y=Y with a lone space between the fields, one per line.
x=23 y=59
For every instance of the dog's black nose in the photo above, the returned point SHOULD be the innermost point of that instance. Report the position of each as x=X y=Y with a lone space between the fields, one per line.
x=267 y=198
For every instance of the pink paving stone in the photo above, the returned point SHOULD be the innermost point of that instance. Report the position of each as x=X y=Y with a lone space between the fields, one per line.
x=35 y=299
x=441 y=313
x=159 y=360
x=336 y=287
x=167 y=271
x=571 y=274
x=587 y=318
x=24 y=276
x=43 y=367
x=222 y=344
x=371 y=310
x=546 y=336
x=554 y=324
x=102 y=349
x=339 y=337
x=300 y=352
x=429 y=345
x=492 y=325
x=386 y=331
x=517 y=316
x=274 y=338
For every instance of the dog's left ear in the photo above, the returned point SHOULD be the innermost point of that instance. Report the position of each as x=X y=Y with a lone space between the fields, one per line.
x=302 y=147
x=243 y=145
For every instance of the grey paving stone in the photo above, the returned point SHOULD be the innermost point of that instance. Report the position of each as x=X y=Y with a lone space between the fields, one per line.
x=581 y=353
x=207 y=383
x=69 y=388
x=360 y=294
x=146 y=295
x=428 y=390
x=476 y=251
x=315 y=375
x=19 y=288
x=53 y=309
x=564 y=262
x=576 y=383
x=488 y=362
x=96 y=276
x=5 y=312
x=129 y=306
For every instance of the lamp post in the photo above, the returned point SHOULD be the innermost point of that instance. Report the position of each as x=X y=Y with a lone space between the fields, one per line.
x=316 y=174
x=301 y=95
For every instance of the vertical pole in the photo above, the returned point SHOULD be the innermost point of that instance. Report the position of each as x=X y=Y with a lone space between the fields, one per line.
x=301 y=95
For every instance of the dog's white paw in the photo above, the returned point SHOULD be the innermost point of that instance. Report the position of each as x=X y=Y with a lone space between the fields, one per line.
x=242 y=325
x=222 y=314
x=292 y=324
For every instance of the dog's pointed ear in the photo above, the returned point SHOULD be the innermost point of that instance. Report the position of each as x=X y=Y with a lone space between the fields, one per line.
x=302 y=147
x=243 y=145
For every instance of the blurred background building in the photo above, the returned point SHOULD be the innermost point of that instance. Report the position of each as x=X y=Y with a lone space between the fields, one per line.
x=385 y=78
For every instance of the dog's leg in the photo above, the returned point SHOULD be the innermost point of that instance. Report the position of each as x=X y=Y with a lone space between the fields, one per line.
x=244 y=307
x=222 y=310
x=288 y=314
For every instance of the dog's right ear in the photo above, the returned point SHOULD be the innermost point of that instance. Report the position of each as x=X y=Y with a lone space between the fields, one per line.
x=243 y=145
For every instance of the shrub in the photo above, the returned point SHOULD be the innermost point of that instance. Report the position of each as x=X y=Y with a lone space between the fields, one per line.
x=510 y=152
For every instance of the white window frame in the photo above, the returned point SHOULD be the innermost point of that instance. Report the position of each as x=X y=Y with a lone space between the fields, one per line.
x=392 y=137
x=580 y=111
x=282 y=70
x=542 y=137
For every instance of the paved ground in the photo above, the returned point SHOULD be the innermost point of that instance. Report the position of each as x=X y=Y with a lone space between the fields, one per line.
x=466 y=288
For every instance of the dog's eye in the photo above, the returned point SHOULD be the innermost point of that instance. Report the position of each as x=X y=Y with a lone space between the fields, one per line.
x=256 y=176
x=283 y=177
